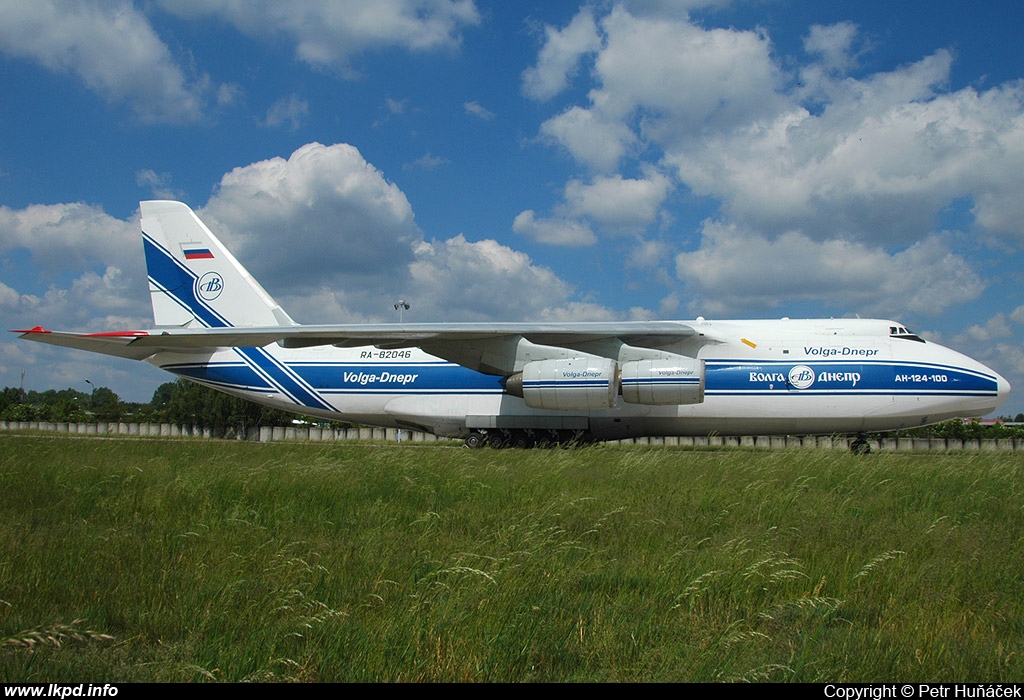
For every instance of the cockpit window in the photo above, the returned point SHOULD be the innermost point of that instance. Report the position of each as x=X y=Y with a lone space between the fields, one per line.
x=902 y=332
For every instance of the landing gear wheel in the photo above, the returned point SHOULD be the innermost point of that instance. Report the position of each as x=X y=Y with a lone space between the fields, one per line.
x=496 y=440
x=860 y=446
x=546 y=440
x=520 y=440
x=570 y=439
x=475 y=440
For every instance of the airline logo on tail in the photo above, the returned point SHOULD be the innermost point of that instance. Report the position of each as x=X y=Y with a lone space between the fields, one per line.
x=210 y=285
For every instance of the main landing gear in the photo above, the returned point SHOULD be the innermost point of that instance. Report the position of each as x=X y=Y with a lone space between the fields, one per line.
x=860 y=445
x=523 y=439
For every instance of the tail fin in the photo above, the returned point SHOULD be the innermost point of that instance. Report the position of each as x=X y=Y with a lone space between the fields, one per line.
x=194 y=280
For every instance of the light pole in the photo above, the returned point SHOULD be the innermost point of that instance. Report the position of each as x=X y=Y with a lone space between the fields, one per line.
x=92 y=396
x=401 y=306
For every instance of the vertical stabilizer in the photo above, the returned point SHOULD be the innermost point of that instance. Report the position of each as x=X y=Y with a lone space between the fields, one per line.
x=194 y=280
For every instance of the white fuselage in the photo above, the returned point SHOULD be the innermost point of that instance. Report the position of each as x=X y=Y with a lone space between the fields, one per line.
x=761 y=377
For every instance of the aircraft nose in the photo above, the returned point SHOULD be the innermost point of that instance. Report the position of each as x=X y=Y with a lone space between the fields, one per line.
x=1002 y=388
x=989 y=402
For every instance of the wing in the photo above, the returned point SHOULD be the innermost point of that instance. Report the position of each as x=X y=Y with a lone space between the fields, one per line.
x=479 y=346
x=118 y=343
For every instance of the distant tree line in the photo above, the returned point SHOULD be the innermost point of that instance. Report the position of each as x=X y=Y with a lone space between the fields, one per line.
x=1004 y=427
x=65 y=405
x=180 y=402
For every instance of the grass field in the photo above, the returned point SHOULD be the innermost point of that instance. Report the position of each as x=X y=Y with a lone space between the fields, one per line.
x=135 y=560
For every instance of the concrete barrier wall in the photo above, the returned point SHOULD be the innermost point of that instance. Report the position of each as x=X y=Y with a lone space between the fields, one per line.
x=332 y=434
x=261 y=434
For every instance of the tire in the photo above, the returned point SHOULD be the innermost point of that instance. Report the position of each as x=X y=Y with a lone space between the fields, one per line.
x=520 y=441
x=475 y=440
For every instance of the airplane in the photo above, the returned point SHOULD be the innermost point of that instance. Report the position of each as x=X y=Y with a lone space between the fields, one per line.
x=527 y=384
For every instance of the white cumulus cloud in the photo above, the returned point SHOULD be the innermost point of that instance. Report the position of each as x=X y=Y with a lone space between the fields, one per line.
x=329 y=33
x=321 y=215
x=553 y=231
x=617 y=203
x=559 y=58
x=735 y=270
x=111 y=47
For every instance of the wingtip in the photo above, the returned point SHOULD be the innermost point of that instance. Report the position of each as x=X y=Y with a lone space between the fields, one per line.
x=37 y=329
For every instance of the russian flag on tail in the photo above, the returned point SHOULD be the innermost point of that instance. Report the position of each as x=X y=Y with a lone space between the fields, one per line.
x=197 y=254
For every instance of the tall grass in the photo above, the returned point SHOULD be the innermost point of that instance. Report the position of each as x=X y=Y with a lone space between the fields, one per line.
x=224 y=561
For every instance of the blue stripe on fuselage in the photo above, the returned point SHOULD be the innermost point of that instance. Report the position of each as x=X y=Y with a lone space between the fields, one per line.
x=735 y=377
x=306 y=382
x=411 y=377
x=321 y=379
x=284 y=378
x=233 y=375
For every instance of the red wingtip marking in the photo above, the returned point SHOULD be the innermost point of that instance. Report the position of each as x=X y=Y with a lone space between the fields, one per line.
x=106 y=334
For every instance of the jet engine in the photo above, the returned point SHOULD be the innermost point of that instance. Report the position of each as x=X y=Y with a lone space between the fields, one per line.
x=573 y=384
x=665 y=382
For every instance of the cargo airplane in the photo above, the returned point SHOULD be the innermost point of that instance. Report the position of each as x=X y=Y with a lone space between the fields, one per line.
x=523 y=384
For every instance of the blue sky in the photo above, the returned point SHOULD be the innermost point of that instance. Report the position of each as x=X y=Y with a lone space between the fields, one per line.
x=519 y=161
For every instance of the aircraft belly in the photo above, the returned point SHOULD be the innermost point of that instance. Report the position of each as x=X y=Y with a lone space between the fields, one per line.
x=756 y=415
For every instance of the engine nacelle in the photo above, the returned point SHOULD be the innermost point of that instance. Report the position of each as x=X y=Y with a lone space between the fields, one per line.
x=671 y=382
x=574 y=384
